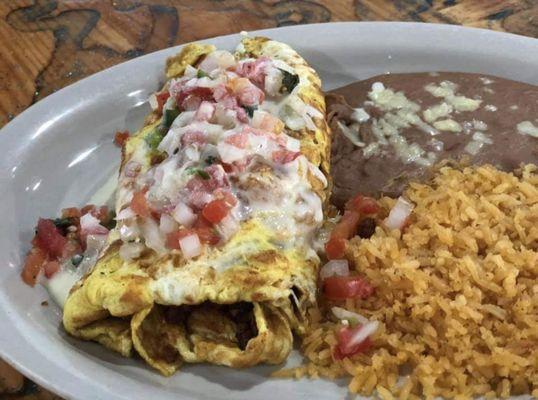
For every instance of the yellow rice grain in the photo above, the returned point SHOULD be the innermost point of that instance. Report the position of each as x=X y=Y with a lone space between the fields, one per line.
x=456 y=294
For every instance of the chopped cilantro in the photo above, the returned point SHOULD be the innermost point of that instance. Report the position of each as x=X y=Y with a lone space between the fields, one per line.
x=210 y=160
x=154 y=138
x=200 y=172
x=202 y=74
x=63 y=222
x=289 y=80
x=76 y=259
x=111 y=220
x=168 y=117
x=250 y=110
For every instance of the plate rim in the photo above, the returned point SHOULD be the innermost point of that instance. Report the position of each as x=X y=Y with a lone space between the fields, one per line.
x=16 y=354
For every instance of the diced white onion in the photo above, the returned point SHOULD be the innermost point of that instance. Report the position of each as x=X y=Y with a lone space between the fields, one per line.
x=229 y=153
x=398 y=214
x=190 y=71
x=153 y=236
x=184 y=214
x=217 y=59
x=343 y=314
x=94 y=245
x=365 y=331
x=91 y=225
x=258 y=117
x=190 y=246
x=273 y=81
x=228 y=227
x=126 y=213
x=293 y=144
x=334 y=268
x=130 y=251
x=129 y=232
x=153 y=103
x=167 y=224
x=283 y=65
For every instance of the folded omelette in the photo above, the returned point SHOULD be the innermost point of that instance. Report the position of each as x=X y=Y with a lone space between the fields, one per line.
x=219 y=199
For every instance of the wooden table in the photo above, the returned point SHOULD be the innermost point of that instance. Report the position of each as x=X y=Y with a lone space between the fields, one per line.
x=48 y=44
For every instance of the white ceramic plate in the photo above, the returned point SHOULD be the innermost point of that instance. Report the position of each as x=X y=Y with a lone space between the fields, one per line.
x=60 y=150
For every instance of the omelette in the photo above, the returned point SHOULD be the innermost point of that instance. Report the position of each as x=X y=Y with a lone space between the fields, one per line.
x=220 y=196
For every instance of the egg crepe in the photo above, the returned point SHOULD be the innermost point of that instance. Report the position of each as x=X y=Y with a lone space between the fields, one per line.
x=236 y=302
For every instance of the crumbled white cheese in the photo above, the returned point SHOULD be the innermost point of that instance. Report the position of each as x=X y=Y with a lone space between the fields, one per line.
x=437 y=144
x=447 y=90
x=513 y=107
x=467 y=127
x=437 y=111
x=490 y=107
x=360 y=115
x=527 y=128
x=479 y=125
x=486 y=81
x=488 y=90
x=448 y=125
x=462 y=103
x=387 y=99
x=386 y=130
x=482 y=137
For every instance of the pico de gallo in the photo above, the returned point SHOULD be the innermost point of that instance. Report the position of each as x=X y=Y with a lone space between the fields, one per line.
x=339 y=284
x=64 y=242
x=360 y=217
x=222 y=152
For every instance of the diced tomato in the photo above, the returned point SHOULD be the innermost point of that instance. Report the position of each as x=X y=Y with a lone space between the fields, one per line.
x=227 y=196
x=50 y=268
x=267 y=122
x=238 y=140
x=208 y=236
x=205 y=111
x=161 y=99
x=346 y=227
x=284 y=156
x=254 y=70
x=172 y=239
x=202 y=93
x=33 y=264
x=344 y=348
x=216 y=210
x=191 y=103
x=346 y=287
x=362 y=204
x=71 y=212
x=139 y=204
x=71 y=248
x=102 y=214
x=335 y=248
x=50 y=238
x=193 y=137
x=120 y=138
x=206 y=232
x=246 y=92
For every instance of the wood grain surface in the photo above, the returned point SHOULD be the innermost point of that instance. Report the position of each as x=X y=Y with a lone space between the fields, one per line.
x=48 y=44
